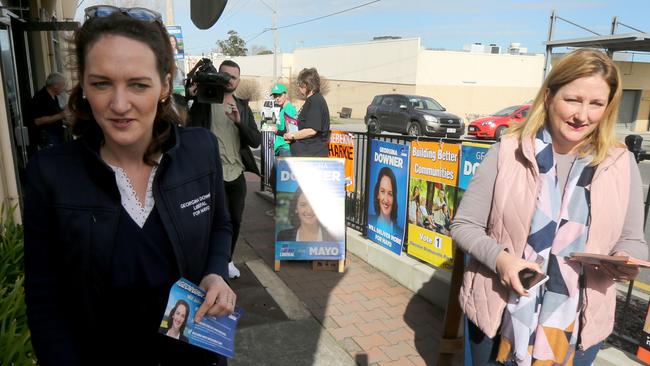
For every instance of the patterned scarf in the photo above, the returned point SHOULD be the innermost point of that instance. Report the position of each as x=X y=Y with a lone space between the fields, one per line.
x=542 y=329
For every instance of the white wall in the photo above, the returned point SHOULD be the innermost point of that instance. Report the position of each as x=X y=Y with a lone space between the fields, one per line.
x=388 y=61
x=493 y=70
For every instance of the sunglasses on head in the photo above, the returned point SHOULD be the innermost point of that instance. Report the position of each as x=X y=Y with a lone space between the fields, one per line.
x=100 y=11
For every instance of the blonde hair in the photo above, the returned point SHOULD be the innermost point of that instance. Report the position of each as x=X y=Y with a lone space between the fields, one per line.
x=578 y=64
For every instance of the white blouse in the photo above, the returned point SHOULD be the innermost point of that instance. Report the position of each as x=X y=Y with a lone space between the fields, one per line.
x=130 y=202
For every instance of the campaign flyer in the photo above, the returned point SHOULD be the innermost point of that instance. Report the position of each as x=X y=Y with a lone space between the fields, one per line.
x=310 y=209
x=342 y=146
x=211 y=333
x=387 y=191
x=432 y=201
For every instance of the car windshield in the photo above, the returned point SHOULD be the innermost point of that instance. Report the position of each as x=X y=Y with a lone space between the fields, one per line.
x=506 y=111
x=427 y=104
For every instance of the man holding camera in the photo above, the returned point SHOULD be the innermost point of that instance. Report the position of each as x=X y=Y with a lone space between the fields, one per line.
x=233 y=123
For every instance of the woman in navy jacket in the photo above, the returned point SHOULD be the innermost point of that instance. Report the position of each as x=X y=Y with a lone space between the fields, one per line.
x=115 y=217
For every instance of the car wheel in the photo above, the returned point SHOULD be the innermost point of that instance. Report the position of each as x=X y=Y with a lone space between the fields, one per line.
x=499 y=132
x=373 y=126
x=414 y=129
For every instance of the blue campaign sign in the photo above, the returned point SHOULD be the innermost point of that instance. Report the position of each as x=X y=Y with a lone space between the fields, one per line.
x=472 y=154
x=310 y=209
x=389 y=167
x=176 y=39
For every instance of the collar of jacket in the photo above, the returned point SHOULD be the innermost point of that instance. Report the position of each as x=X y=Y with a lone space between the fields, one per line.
x=92 y=140
x=527 y=147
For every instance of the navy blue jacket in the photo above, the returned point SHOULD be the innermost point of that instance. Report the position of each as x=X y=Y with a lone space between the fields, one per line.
x=72 y=206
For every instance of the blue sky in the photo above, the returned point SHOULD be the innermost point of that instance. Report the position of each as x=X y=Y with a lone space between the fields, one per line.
x=440 y=24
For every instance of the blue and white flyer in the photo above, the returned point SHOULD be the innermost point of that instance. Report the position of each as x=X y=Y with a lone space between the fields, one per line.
x=216 y=334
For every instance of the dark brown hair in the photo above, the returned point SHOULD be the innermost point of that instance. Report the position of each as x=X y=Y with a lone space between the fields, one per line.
x=155 y=36
x=386 y=172
x=170 y=321
x=230 y=63
x=293 y=207
x=310 y=79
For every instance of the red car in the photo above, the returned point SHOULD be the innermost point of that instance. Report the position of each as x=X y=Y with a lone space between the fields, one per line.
x=492 y=127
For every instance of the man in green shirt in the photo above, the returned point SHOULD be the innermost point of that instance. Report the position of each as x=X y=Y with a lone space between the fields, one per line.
x=279 y=93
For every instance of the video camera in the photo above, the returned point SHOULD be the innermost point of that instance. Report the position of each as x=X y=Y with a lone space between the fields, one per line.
x=210 y=83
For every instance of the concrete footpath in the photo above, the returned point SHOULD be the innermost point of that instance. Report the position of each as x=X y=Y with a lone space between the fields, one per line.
x=299 y=316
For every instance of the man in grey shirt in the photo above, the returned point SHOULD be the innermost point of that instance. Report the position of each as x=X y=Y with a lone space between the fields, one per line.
x=233 y=124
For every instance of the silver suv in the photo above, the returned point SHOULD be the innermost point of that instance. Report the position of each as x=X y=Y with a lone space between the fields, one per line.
x=413 y=115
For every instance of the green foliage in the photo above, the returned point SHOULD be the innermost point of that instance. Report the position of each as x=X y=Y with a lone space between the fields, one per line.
x=233 y=45
x=14 y=335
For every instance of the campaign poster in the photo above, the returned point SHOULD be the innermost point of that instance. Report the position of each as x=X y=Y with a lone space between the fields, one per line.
x=176 y=39
x=216 y=334
x=310 y=209
x=432 y=201
x=387 y=194
x=342 y=146
x=472 y=155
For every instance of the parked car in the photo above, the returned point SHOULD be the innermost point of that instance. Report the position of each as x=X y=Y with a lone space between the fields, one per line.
x=493 y=126
x=270 y=110
x=413 y=115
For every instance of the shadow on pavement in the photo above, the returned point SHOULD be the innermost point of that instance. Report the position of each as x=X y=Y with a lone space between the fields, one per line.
x=282 y=341
x=360 y=317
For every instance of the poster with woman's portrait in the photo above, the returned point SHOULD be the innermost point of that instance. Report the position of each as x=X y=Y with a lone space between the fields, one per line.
x=176 y=40
x=310 y=209
x=387 y=194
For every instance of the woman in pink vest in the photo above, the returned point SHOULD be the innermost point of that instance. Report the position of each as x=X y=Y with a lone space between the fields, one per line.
x=557 y=184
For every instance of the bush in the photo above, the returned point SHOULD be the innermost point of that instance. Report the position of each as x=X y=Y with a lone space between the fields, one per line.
x=248 y=89
x=14 y=335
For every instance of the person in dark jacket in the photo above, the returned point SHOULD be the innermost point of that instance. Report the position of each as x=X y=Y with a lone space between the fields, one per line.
x=313 y=136
x=46 y=125
x=115 y=217
x=233 y=123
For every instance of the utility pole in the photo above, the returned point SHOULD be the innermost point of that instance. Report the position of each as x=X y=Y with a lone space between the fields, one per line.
x=275 y=42
x=275 y=37
x=170 y=12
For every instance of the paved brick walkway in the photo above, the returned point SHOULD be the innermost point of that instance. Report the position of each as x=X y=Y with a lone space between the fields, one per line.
x=378 y=321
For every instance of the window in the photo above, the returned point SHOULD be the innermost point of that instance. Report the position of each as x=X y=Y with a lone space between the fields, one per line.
x=425 y=104
x=387 y=102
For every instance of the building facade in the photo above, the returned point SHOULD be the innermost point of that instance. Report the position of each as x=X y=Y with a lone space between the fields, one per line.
x=468 y=83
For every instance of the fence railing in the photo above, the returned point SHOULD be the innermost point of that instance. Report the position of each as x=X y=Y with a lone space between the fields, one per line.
x=357 y=200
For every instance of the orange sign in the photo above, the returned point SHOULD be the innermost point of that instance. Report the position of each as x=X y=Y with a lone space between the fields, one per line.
x=342 y=146
x=435 y=161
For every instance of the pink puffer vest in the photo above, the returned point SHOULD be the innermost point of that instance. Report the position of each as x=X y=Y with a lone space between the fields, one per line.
x=483 y=298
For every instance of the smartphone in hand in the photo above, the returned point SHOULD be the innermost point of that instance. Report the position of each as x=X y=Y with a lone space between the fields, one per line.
x=531 y=279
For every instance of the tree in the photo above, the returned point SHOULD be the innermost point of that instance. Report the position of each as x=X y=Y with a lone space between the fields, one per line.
x=259 y=50
x=248 y=89
x=233 y=46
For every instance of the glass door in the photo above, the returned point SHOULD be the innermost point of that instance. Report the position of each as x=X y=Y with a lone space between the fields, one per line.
x=17 y=130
